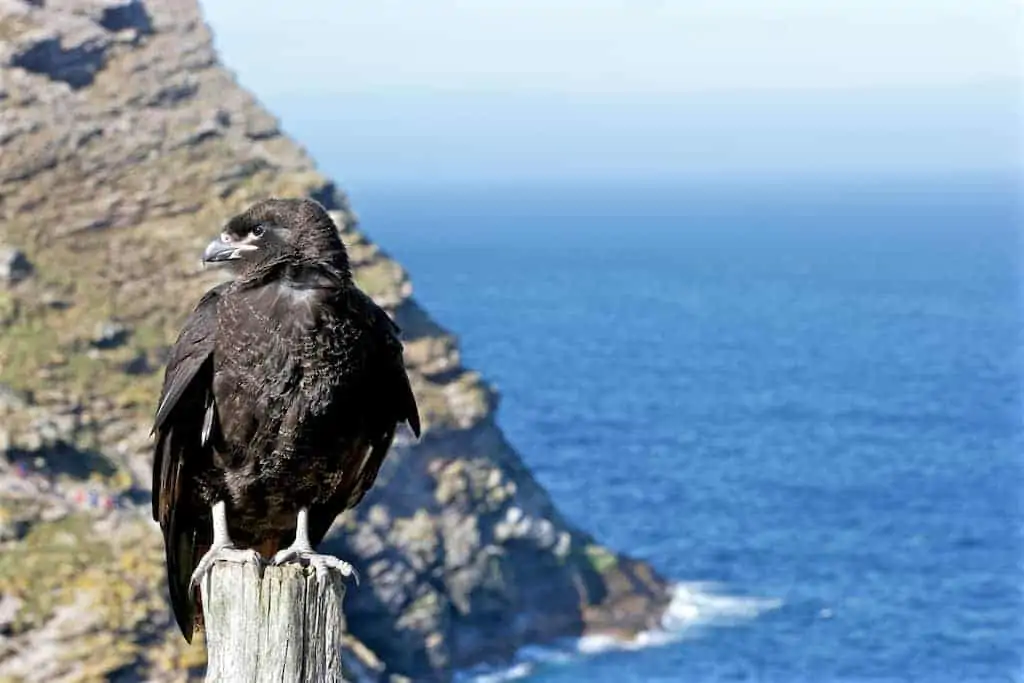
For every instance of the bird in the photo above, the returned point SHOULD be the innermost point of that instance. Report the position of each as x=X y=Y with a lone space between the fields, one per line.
x=281 y=397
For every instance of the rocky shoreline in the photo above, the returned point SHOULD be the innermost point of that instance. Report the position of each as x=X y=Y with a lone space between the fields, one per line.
x=124 y=142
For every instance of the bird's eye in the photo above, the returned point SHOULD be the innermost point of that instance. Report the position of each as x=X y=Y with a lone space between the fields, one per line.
x=257 y=231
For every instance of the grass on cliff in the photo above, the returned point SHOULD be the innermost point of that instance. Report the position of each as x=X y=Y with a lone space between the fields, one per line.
x=114 y=584
x=600 y=558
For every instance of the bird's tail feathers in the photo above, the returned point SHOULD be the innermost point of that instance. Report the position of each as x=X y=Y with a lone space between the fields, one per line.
x=183 y=547
x=178 y=546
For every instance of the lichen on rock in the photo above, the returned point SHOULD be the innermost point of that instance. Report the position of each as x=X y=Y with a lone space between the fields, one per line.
x=125 y=145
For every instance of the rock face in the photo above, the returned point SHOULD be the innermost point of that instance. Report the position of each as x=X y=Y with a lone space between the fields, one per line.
x=123 y=146
x=14 y=267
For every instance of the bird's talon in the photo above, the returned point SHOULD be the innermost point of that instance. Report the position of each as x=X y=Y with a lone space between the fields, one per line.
x=322 y=564
x=224 y=553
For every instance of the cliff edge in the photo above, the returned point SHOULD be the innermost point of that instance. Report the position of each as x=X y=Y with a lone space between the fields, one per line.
x=123 y=145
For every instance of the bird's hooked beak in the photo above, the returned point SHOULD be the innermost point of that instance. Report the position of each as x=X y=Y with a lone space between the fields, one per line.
x=225 y=250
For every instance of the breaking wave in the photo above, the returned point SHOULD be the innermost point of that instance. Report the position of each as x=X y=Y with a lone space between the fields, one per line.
x=694 y=605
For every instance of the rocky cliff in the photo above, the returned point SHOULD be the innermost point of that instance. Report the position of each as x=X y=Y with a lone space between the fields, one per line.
x=123 y=146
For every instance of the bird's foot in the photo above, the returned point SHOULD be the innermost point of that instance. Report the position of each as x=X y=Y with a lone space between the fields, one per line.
x=306 y=556
x=226 y=553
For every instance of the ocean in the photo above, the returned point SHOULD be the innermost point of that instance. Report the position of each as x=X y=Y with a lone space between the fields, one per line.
x=799 y=400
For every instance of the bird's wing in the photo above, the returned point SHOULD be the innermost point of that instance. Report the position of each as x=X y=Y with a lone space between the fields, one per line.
x=183 y=424
x=396 y=398
x=366 y=460
x=393 y=403
x=192 y=348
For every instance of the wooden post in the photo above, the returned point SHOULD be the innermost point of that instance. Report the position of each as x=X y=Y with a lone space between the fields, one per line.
x=286 y=625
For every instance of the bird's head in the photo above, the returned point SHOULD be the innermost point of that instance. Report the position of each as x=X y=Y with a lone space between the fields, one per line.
x=278 y=230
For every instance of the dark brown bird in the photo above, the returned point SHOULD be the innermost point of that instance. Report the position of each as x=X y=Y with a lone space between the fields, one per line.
x=280 y=400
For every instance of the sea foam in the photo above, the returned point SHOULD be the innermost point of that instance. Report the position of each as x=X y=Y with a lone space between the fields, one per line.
x=694 y=606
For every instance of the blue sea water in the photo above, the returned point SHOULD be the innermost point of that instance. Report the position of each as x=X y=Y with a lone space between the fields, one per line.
x=802 y=393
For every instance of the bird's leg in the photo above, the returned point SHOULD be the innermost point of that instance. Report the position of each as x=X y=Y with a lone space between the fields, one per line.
x=222 y=547
x=301 y=550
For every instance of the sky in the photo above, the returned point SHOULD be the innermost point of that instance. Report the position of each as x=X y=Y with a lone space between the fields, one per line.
x=399 y=90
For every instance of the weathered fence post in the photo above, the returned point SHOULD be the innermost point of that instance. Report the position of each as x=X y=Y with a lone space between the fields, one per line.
x=286 y=625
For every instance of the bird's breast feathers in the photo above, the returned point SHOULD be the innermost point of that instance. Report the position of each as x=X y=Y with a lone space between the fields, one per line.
x=290 y=344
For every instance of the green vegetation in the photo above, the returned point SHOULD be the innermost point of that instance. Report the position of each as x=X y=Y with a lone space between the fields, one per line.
x=600 y=558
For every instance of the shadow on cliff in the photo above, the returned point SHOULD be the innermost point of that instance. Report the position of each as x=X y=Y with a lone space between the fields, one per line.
x=60 y=460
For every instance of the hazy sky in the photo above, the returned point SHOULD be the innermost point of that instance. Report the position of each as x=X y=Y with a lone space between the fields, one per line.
x=450 y=87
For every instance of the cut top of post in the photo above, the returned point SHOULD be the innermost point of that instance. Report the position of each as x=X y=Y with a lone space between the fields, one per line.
x=285 y=624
